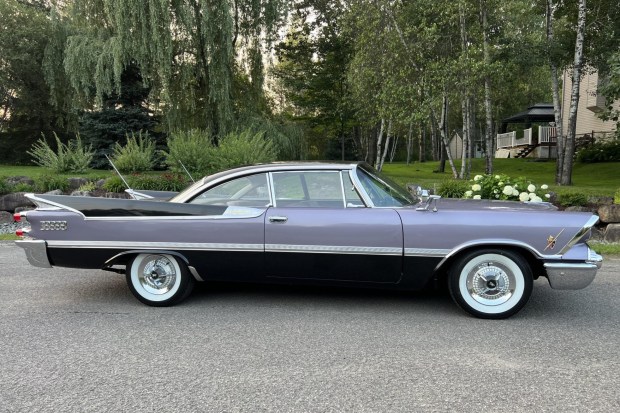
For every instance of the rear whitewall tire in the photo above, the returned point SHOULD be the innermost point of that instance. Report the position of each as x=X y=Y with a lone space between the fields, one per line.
x=159 y=279
x=491 y=284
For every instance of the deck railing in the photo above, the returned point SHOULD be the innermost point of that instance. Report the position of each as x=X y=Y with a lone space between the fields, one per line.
x=510 y=140
x=547 y=134
x=506 y=140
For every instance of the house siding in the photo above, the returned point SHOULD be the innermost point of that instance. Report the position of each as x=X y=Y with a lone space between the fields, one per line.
x=587 y=120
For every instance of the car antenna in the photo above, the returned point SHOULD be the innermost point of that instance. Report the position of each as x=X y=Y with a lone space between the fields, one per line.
x=118 y=173
x=186 y=171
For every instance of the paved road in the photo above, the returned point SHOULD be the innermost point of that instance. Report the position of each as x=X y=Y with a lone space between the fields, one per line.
x=75 y=340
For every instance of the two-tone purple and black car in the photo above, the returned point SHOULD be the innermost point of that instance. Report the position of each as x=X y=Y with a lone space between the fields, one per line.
x=316 y=223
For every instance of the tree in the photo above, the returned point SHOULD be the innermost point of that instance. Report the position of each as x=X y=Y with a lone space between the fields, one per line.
x=193 y=55
x=311 y=72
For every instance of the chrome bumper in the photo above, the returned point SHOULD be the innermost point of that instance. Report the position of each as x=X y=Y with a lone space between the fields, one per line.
x=573 y=276
x=36 y=252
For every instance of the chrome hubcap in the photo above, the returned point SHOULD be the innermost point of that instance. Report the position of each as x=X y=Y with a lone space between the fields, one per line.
x=157 y=275
x=491 y=283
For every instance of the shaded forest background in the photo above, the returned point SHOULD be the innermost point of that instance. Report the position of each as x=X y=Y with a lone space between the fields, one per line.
x=322 y=79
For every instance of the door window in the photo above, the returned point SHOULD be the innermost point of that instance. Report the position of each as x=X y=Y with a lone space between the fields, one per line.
x=248 y=191
x=322 y=189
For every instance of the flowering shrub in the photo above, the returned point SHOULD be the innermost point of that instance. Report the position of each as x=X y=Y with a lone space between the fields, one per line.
x=506 y=188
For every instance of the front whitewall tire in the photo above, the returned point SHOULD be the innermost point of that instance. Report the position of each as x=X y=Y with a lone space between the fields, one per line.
x=491 y=283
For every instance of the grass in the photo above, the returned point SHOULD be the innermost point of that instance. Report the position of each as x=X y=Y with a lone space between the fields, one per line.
x=606 y=249
x=8 y=237
x=36 y=171
x=601 y=179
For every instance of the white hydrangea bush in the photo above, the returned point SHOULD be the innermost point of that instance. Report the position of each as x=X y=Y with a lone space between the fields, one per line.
x=503 y=187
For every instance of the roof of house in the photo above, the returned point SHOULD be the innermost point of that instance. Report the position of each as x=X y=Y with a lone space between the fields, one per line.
x=540 y=112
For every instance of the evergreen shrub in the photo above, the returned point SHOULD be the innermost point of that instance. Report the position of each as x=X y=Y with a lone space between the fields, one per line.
x=194 y=149
x=567 y=199
x=137 y=154
x=244 y=148
x=600 y=152
x=72 y=157
x=453 y=188
x=49 y=182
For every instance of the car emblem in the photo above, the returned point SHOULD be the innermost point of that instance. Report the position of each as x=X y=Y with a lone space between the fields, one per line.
x=551 y=241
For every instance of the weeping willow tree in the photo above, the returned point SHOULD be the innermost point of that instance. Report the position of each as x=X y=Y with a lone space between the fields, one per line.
x=190 y=53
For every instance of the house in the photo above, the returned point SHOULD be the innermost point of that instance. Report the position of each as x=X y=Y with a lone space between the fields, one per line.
x=533 y=134
x=591 y=103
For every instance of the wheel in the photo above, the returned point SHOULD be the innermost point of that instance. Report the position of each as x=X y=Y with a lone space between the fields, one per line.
x=159 y=279
x=491 y=283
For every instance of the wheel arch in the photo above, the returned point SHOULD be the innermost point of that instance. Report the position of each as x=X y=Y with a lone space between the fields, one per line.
x=125 y=258
x=527 y=252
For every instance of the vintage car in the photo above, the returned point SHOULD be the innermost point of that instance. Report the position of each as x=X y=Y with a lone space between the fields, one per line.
x=341 y=224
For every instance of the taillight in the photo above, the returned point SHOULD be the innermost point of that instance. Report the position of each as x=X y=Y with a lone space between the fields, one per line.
x=19 y=233
x=17 y=217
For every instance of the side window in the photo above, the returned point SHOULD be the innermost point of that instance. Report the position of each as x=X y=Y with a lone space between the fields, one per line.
x=350 y=193
x=248 y=191
x=322 y=189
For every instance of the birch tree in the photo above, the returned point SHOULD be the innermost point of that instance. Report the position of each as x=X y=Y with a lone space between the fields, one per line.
x=569 y=149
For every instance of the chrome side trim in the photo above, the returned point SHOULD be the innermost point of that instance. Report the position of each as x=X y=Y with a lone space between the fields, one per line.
x=152 y=245
x=588 y=225
x=426 y=252
x=333 y=249
x=36 y=252
x=193 y=271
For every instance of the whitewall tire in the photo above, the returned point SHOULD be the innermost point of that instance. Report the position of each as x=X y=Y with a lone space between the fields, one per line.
x=159 y=279
x=490 y=283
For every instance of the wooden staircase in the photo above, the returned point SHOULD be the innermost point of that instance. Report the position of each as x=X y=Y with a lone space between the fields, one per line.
x=525 y=151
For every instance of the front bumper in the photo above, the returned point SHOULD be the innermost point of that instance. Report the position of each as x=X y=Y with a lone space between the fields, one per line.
x=36 y=252
x=573 y=276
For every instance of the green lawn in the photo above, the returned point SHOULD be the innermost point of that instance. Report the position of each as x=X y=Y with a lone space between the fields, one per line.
x=36 y=171
x=590 y=179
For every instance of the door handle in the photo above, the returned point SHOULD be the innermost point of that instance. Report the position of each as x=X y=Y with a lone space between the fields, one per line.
x=275 y=218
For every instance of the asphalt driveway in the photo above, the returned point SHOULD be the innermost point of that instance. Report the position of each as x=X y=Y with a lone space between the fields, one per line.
x=73 y=340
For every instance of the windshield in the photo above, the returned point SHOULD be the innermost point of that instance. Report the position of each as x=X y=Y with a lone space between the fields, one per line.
x=382 y=191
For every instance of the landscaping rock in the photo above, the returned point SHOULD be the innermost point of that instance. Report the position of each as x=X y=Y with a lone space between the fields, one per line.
x=22 y=209
x=75 y=183
x=14 y=180
x=610 y=213
x=80 y=193
x=577 y=209
x=612 y=233
x=6 y=217
x=54 y=192
x=11 y=201
x=601 y=200
x=99 y=184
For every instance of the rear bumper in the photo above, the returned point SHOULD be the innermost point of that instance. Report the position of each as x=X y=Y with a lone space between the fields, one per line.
x=36 y=252
x=573 y=276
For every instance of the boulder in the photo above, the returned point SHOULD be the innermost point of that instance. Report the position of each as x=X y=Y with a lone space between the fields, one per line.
x=601 y=200
x=612 y=233
x=610 y=214
x=54 y=192
x=11 y=201
x=577 y=209
x=75 y=183
x=6 y=217
x=22 y=209
x=80 y=193
x=100 y=183
x=14 y=180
